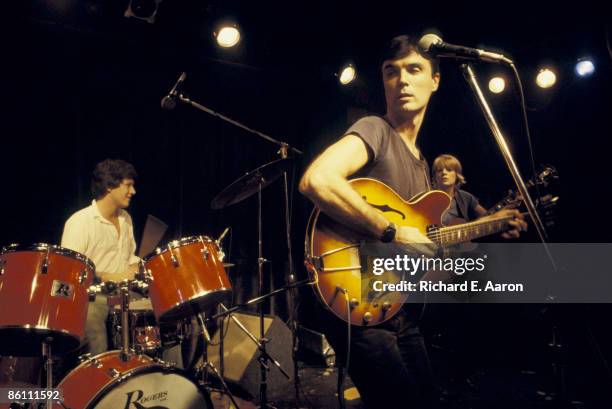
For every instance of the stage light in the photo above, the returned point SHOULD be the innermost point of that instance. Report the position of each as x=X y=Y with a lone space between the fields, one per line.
x=546 y=78
x=347 y=74
x=143 y=9
x=228 y=36
x=497 y=85
x=585 y=67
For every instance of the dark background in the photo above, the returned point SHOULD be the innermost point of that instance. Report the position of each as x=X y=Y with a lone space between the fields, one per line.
x=82 y=83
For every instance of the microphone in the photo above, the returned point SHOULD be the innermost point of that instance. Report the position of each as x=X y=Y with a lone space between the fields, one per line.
x=169 y=101
x=432 y=44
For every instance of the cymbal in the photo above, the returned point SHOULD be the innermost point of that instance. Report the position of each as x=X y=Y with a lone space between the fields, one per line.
x=248 y=184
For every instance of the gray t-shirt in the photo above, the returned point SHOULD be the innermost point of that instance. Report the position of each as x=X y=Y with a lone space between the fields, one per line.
x=389 y=159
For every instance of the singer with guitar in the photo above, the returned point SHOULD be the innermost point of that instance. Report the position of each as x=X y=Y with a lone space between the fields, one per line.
x=389 y=362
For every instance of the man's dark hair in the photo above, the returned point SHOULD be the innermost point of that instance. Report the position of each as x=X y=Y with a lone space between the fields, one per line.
x=402 y=45
x=109 y=174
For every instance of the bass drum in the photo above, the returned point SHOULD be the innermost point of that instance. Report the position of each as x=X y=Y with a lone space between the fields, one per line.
x=105 y=381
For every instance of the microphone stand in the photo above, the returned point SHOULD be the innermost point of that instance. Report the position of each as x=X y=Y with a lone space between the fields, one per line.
x=470 y=77
x=558 y=348
x=283 y=152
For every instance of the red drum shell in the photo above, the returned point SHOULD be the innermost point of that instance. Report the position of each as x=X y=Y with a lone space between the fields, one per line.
x=186 y=277
x=35 y=304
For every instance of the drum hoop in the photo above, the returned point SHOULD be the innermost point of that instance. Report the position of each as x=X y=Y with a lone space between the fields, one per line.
x=42 y=247
x=174 y=244
x=150 y=368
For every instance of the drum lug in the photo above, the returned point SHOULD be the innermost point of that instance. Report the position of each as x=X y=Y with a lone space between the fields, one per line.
x=113 y=373
x=83 y=276
x=2 y=265
x=96 y=363
x=84 y=357
x=44 y=268
x=163 y=363
x=92 y=292
x=175 y=262
x=205 y=253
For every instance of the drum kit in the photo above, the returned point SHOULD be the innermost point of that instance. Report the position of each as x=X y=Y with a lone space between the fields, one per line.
x=45 y=291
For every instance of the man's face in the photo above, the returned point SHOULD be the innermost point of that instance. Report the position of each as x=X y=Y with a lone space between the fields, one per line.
x=446 y=177
x=122 y=194
x=408 y=83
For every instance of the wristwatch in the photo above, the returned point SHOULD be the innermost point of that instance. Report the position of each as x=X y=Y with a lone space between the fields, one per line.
x=388 y=234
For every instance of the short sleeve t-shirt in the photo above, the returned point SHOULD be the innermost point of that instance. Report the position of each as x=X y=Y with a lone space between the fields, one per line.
x=390 y=160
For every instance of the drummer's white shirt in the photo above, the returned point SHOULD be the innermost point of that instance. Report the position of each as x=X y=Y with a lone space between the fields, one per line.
x=89 y=233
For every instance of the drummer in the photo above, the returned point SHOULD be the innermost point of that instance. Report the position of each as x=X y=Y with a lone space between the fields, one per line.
x=103 y=231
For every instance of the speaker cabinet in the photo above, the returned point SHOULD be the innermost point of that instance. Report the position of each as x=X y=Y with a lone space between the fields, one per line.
x=240 y=354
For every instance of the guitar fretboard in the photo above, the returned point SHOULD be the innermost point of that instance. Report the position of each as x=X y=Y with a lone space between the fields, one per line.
x=469 y=231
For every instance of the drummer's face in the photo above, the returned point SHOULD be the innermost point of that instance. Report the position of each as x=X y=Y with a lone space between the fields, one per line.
x=123 y=193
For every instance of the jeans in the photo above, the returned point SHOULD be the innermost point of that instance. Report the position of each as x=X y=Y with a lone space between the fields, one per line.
x=389 y=363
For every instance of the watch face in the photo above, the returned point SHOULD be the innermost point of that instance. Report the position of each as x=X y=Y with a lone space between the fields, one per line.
x=389 y=234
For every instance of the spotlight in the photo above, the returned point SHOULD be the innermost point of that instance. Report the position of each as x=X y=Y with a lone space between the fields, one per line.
x=497 y=85
x=546 y=78
x=228 y=36
x=143 y=10
x=347 y=74
x=585 y=67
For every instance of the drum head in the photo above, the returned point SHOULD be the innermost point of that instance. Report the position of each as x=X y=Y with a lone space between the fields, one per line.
x=153 y=390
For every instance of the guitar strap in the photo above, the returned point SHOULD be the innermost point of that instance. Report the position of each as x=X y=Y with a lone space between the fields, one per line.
x=461 y=205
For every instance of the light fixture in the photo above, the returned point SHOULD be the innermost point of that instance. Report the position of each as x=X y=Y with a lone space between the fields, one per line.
x=497 y=85
x=228 y=36
x=347 y=74
x=546 y=78
x=143 y=10
x=585 y=67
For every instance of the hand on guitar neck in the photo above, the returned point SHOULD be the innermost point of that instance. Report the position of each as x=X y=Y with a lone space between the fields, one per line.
x=415 y=241
x=517 y=223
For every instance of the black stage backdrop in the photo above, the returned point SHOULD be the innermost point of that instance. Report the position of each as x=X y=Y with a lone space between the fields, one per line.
x=82 y=83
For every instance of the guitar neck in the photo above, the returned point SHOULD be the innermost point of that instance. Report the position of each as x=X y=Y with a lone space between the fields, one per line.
x=469 y=231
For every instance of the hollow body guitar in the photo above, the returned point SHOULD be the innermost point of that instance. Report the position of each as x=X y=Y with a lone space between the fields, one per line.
x=338 y=257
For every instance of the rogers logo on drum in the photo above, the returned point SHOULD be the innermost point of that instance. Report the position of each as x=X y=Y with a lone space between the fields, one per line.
x=140 y=399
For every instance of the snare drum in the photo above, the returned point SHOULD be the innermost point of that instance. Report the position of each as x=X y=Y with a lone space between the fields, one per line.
x=105 y=381
x=43 y=293
x=185 y=277
x=145 y=335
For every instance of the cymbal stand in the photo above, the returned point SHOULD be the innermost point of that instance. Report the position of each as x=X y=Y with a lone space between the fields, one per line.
x=207 y=364
x=263 y=356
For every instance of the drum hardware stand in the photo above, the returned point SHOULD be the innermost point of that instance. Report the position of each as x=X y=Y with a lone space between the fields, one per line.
x=207 y=364
x=292 y=294
x=263 y=355
x=125 y=322
x=257 y=300
x=47 y=355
